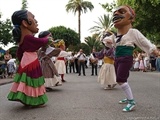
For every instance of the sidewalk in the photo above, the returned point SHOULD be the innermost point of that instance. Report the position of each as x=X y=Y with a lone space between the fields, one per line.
x=6 y=81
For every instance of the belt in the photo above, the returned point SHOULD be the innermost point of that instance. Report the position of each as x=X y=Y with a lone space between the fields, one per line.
x=108 y=60
x=60 y=58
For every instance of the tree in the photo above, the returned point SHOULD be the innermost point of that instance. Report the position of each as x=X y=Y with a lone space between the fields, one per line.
x=109 y=6
x=24 y=4
x=13 y=51
x=5 y=31
x=104 y=24
x=68 y=35
x=93 y=43
x=79 y=6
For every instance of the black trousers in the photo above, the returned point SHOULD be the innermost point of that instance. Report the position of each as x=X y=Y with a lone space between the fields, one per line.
x=94 y=68
x=71 y=67
x=81 y=65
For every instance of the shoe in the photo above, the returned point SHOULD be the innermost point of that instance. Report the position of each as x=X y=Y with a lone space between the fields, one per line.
x=84 y=75
x=91 y=74
x=63 y=81
x=124 y=101
x=130 y=106
x=108 y=87
x=105 y=88
x=114 y=85
x=56 y=83
x=79 y=75
x=48 y=89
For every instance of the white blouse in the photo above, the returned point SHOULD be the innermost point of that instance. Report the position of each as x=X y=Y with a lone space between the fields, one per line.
x=134 y=37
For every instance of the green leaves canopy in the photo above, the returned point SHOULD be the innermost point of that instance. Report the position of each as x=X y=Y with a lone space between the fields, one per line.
x=5 y=32
x=68 y=35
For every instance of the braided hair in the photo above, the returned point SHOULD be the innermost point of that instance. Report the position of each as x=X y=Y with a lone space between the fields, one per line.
x=17 y=18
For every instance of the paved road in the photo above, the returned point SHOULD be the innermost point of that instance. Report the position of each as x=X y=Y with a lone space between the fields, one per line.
x=82 y=98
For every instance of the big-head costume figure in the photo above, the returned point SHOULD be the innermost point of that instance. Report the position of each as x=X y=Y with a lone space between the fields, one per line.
x=124 y=42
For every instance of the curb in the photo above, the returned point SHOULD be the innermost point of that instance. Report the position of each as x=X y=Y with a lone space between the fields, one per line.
x=4 y=83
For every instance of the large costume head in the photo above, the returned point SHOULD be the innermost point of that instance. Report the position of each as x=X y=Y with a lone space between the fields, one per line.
x=23 y=20
x=106 y=37
x=44 y=34
x=123 y=15
x=59 y=44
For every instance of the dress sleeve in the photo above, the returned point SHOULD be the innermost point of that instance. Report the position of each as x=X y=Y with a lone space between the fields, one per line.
x=31 y=43
x=100 y=54
x=64 y=53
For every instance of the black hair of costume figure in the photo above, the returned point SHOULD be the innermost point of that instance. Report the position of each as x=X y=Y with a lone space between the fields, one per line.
x=43 y=34
x=17 y=18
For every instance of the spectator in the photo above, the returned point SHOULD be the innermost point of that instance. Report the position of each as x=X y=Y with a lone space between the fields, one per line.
x=81 y=62
x=11 y=66
x=94 y=62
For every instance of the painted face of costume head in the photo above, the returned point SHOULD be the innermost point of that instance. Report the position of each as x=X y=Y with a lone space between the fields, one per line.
x=105 y=38
x=123 y=15
x=32 y=26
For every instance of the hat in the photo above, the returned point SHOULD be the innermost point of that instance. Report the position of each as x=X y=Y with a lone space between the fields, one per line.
x=59 y=42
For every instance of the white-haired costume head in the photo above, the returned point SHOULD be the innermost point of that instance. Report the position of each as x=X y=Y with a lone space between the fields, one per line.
x=105 y=38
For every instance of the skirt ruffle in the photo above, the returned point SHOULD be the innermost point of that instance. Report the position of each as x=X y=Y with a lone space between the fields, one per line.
x=27 y=100
x=107 y=75
x=27 y=90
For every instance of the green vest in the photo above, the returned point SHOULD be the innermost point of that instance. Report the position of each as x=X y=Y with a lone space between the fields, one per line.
x=124 y=51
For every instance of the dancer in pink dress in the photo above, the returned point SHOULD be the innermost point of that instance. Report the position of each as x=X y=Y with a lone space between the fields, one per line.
x=28 y=86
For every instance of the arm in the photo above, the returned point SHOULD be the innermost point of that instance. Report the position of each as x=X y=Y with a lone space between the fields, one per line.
x=100 y=54
x=54 y=52
x=31 y=43
x=143 y=43
x=64 y=53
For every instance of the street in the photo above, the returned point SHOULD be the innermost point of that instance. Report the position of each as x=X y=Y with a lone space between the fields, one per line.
x=83 y=98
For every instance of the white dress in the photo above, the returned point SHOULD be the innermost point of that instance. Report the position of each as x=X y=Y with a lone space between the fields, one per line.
x=60 y=64
x=136 y=64
x=106 y=75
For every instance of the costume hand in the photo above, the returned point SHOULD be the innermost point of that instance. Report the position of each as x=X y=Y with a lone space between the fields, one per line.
x=51 y=40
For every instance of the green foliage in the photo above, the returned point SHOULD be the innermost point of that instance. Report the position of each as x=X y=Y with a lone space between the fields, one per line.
x=85 y=48
x=79 y=6
x=92 y=42
x=68 y=35
x=5 y=32
x=109 y=6
x=24 y=4
x=13 y=51
x=104 y=24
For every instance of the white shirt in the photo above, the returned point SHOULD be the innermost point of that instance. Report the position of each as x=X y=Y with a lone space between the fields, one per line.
x=134 y=37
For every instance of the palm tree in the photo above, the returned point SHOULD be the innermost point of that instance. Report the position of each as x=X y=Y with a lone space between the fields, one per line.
x=104 y=24
x=79 y=6
x=93 y=43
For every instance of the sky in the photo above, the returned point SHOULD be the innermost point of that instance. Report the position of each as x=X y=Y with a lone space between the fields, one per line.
x=52 y=13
